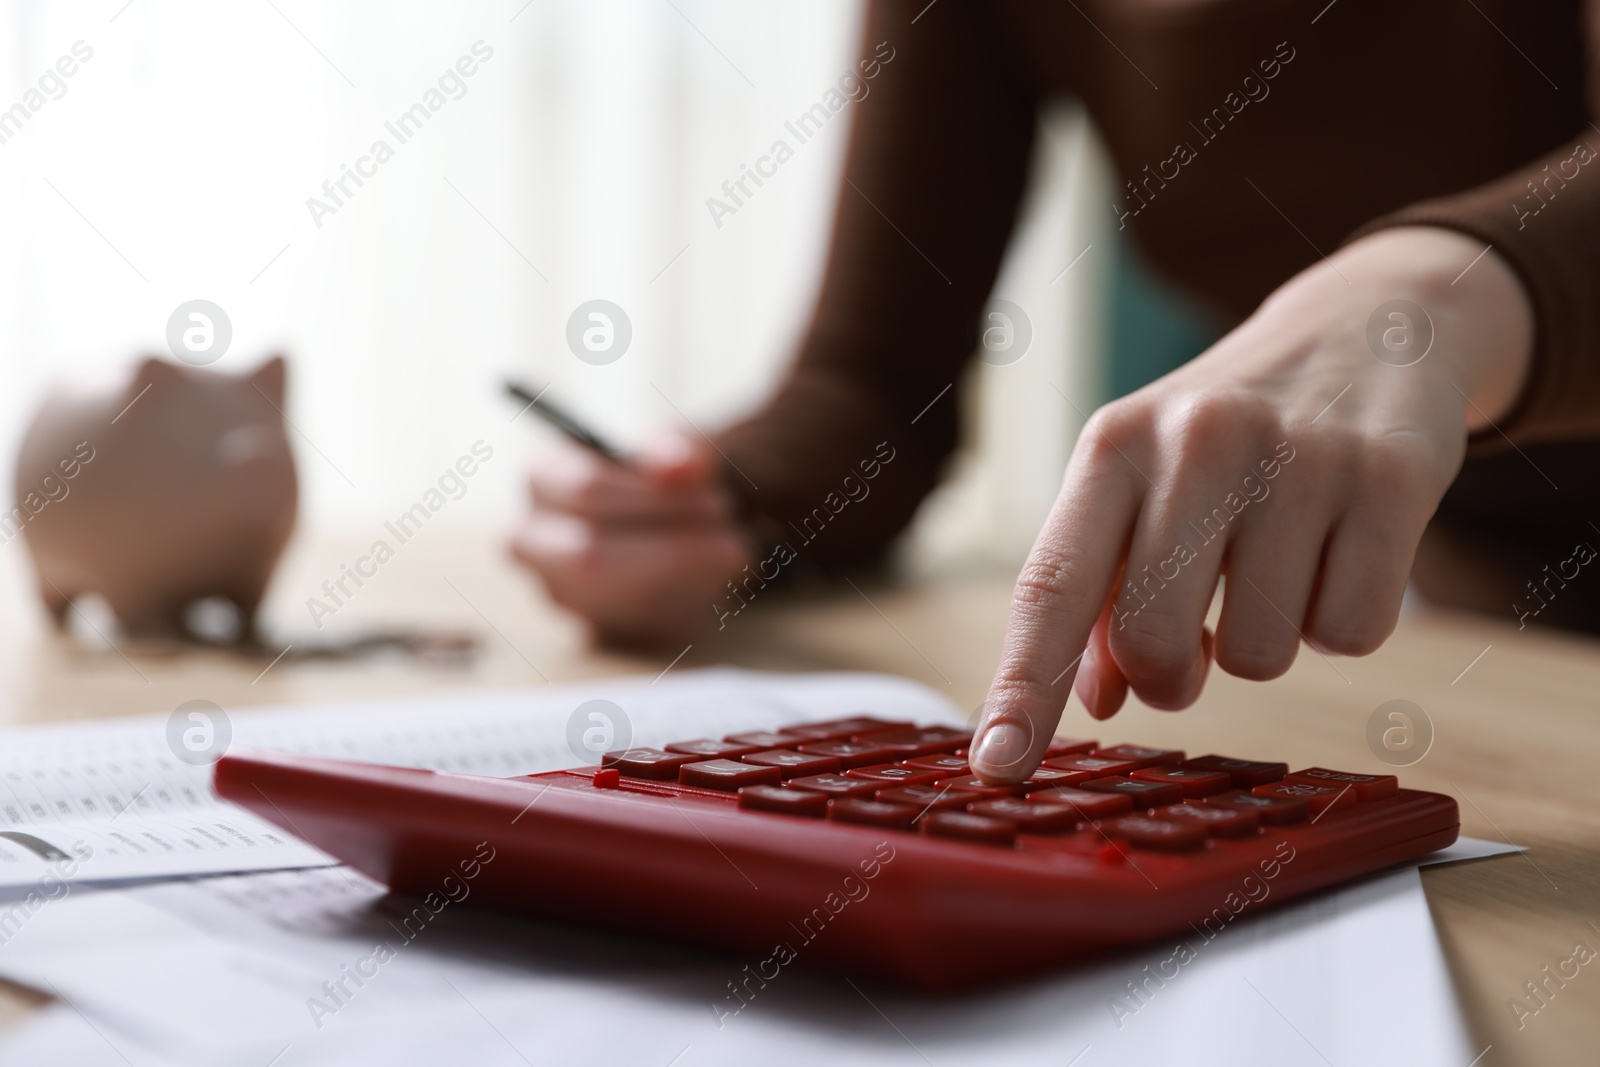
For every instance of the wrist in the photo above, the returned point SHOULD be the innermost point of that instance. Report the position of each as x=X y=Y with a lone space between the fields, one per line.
x=1479 y=312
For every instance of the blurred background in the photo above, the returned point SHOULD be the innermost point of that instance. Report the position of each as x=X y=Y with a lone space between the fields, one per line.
x=574 y=164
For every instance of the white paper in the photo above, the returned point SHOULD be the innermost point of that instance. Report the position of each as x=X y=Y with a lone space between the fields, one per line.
x=232 y=971
x=105 y=801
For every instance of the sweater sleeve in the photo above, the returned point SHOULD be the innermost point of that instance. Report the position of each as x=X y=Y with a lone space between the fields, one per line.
x=1543 y=218
x=934 y=172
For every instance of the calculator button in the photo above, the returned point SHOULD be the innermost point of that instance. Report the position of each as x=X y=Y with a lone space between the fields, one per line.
x=1031 y=817
x=1048 y=776
x=793 y=764
x=1246 y=774
x=1193 y=781
x=727 y=775
x=936 y=797
x=838 y=728
x=787 y=801
x=760 y=739
x=849 y=753
x=1143 y=794
x=977 y=785
x=1365 y=786
x=873 y=812
x=608 y=778
x=1058 y=776
x=1092 y=766
x=647 y=763
x=1273 y=811
x=1218 y=822
x=1140 y=755
x=1319 y=797
x=1169 y=835
x=1067 y=746
x=1087 y=804
x=918 y=740
x=970 y=827
x=705 y=748
x=955 y=766
x=835 y=785
x=885 y=774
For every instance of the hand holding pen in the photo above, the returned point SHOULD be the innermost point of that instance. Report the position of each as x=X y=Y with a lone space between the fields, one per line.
x=642 y=545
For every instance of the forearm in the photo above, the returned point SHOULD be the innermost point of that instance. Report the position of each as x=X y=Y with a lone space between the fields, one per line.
x=1474 y=337
x=933 y=175
x=1539 y=223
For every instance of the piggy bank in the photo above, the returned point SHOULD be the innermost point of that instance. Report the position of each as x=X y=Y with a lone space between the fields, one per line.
x=171 y=485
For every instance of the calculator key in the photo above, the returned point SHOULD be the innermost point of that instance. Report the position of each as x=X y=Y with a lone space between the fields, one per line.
x=838 y=728
x=1319 y=797
x=918 y=740
x=1048 y=776
x=608 y=778
x=1365 y=786
x=647 y=763
x=1112 y=854
x=786 y=801
x=1273 y=811
x=849 y=753
x=1031 y=817
x=793 y=764
x=835 y=785
x=935 y=797
x=954 y=766
x=760 y=739
x=1218 y=822
x=1091 y=767
x=885 y=774
x=1067 y=777
x=1193 y=781
x=1089 y=805
x=1168 y=835
x=706 y=748
x=873 y=812
x=727 y=775
x=976 y=785
x=1139 y=754
x=1246 y=774
x=860 y=724
x=1143 y=794
x=970 y=827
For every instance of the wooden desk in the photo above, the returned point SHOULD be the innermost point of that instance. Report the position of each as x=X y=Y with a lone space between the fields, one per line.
x=1516 y=736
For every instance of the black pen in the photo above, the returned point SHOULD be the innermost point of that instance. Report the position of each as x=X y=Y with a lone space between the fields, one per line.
x=563 y=421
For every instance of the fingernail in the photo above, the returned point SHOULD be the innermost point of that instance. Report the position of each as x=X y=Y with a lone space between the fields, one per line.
x=1001 y=746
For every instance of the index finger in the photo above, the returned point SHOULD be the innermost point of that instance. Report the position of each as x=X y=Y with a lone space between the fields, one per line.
x=1059 y=594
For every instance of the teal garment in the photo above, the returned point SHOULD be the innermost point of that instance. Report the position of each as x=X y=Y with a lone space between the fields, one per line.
x=1152 y=328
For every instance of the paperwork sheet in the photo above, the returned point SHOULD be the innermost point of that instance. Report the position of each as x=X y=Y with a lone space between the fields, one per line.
x=314 y=967
x=103 y=801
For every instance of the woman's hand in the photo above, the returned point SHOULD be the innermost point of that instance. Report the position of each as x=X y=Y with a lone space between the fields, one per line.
x=1288 y=457
x=643 y=551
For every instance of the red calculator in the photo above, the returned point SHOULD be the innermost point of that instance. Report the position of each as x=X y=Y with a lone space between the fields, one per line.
x=859 y=844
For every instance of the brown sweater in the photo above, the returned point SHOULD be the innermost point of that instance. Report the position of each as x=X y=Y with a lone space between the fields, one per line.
x=1347 y=117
